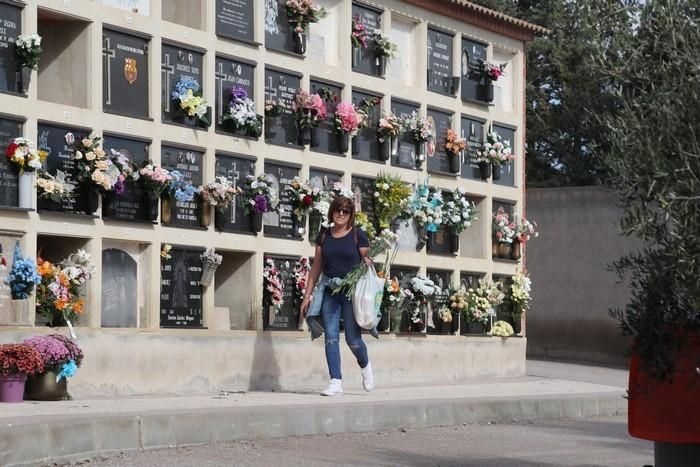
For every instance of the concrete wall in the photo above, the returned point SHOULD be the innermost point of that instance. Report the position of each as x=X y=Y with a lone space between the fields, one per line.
x=572 y=288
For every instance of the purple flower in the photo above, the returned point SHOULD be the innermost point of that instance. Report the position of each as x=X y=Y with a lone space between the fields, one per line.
x=260 y=204
x=119 y=187
x=53 y=352
x=238 y=94
x=73 y=348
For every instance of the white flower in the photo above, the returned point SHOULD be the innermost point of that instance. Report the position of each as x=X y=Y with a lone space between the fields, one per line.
x=78 y=155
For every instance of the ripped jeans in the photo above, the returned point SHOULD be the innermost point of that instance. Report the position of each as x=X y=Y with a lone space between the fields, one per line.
x=333 y=306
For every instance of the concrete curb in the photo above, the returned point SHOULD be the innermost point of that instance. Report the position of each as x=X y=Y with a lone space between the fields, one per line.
x=72 y=439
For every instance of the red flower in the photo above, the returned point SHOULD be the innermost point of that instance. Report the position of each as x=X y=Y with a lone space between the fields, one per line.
x=308 y=200
x=11 y=148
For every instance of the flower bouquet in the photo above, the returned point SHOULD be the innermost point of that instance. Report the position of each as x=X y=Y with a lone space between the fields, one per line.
x=504 y=231
x=302 y=268
x=220 y=193
x=303 y=197
x=310 y=110
x=59 y=365
x=301 y=13
x=27 y=52
x=95 y=172
x=23 y=276
x=487 y=73
x=423 y=291
x=454 y=145
x=458 y=213
x=358 y=38
x=17 y=361
x=494 y=152
x=258 y=198
x=57 y=189
x=23 y=156
x=444 y=316
x=391 y=196
x=363 y=223
x=347 y=122
x=392 y=303
x=155 y=179
x=241 y=114
x=388 y=135
x=476 y=309
x=520 y=297
x=425 y=208
x=421 y=129
x=189 y=102
x=273 y=290
x=177 y=189
x=524 y=231
x=210 y=262
x=383 y=50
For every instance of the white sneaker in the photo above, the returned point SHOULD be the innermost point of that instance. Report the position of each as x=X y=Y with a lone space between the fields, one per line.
x=335 y=388
x=368 y=377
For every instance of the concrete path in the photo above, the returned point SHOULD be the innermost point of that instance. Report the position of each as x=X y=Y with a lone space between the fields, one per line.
x=33 y=432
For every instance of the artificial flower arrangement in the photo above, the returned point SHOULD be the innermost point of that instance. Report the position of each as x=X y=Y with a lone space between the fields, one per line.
x=28 y=50
x=93 y=167
x=127 y=171
x=422 y=293
x=458 y=212
x=241 y=113
x=220 y=193
x=520 y=293
x=301 y=13
x=363 y=223
x=23 y=156
x=364 y=108
x=59 y=295
x=59 y=354
x=478 y=308
x=453 y=143
x=310 y=109
x=23 y=276
x=258 y=195
x=502 y=329
x=389 y=127
x=55 y=188
x=494 y=150
x=179 y=188
x=392 y=302
x=525 y=230
x=273 y=288
x=504 y=230
x=358 y=35
x=381 y=45
x=302 y=196
x=155 y=179
x=490 y=71
x=302 y=268
x=459 y=300
x=391 y=196
x=347 y=119
x=188 y=97
x=420 y=127
x=425 y=207
x=165 y=251
x=20 y=359
x=273 y=109
x=445 y=315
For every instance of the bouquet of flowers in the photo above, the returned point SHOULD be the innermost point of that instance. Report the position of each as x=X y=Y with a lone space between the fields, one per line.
x=258 y=195
x=155 y=179
x=220 y=193
x=392 y=302
x=189 y=99
x=520 y=293
x=301 y=13
x=28 y=50
x=445 y=315
x=453 y=142
x=389 y=127
x=363 y=223
x=127 y=171
x=502 y=329
x=179 y=189
x=165 y=251
x=309 y=108
x=381 y=45
x=273 y=288
x=302 y=196
x=56 y=355
x=302 y=268
x=359 y=35
x=384 y=243
x=57 y=188
x=92 y=164
x=478 y=308
x=422 y=292
x=420 y=127
x=490 y=71
x=459 y=300
x=425 y=207
x=58 y=295
x=504 y=229
x=273 y=109
x=23 y=276
x=525 y=230
x=494 y=151
x=391 y=196
x=22 y=154
x=364 y=108
x=20 y=359
x=347 y=119
x=458 y=212
x=340 y=189
x=241 y=112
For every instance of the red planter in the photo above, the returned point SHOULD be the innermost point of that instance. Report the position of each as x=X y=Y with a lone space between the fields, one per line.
x=669 y=411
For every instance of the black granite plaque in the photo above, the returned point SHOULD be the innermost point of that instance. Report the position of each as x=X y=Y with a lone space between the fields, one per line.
x=504 y=311
x=442 y=279
x=235 y=19
x=234 y=169
x=232 y=74
x=508 y=168
x=60 y=157
x=406 y=156
x=177 y=62
x=130 y=206
x=323 y=179
x=365 y=145
x=325 y=139
x=280 y=224
x=404 y=274
x=285 y=319
x=364 y=60
x=9 y=129
x=473 y=133
x=180 y=291
x=469 y=280
x=189 y=163
x=282 y=87
x=124 y=74
x=10 y=28
x=437 y=157
x=472 y=52
x=119 y=289
x=439 y=61
x=363 y=188
x=278 y=35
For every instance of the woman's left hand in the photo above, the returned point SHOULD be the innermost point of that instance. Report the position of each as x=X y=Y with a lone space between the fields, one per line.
x=368 y=261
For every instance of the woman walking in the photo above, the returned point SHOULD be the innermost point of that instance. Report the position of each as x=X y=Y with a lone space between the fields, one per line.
x=338 y=249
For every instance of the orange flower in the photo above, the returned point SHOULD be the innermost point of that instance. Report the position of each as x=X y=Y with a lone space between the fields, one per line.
x=60 y=304
x=381 y=274
x=394 y=287
x=78 y=306
x=65 y=282
x=45 y=268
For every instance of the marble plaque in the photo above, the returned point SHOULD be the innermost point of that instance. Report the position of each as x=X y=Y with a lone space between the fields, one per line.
x=119 y=289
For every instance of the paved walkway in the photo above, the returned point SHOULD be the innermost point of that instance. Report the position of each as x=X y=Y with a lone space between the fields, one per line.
x=49 y=431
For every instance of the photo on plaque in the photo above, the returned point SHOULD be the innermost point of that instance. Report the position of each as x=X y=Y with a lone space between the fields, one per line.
x=437 y=157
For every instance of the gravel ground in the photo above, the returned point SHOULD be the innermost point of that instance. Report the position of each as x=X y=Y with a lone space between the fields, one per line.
x=596 y=441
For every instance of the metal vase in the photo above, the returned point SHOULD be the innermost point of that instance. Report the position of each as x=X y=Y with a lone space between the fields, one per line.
x=256 y=221
x=380 y=63
x=455 y=161
x=394 y=146
x=343 y=142
x=44 y=387
x=504 y=250
x=484 y=170
x=385 y=150
x=304 y=136
x=299 y=39
x=496 y=174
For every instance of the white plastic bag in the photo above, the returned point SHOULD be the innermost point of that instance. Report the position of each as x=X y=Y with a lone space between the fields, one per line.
x=368 y=299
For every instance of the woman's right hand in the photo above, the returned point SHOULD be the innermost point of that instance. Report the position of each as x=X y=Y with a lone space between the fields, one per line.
x=304 y=306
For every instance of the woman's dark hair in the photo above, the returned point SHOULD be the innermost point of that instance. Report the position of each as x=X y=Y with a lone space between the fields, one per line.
x=342 y=202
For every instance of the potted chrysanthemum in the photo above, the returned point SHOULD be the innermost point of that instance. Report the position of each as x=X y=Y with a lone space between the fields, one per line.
x=61 y=356
x=17 y=362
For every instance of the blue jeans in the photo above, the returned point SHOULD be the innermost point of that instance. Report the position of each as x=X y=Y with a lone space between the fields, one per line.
x=333 y=306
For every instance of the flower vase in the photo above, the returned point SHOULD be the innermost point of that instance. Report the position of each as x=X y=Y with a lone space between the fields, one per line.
x=298 y=225
x=315 y=137
x=12 y=387
x=422 y=234
x=385 y=150
x=23 y=77
x=315 y=219
x=504 y=250
x=165 y=211
x=516 y=322
x=455 y=323
x=151 y=202
x=44 y=387
x=420 y=155
x=299 y=39
x=254 y=131
x=343 y=142
x=394 y=146
x=517 y=250
x=356 y=51
x=256 y=221
x=380 y=62
x=496 y=172
x=271 y=125
x=25 y=188
x=21 y=312
x=455 y=161
x=445 y=328
x=304 y=136
x=454 y=242
x=91 y=197
x=208 y=273
x=205 y=214
x=486 y=90
x=454 y=85
x=484 y=170
x=355 y=146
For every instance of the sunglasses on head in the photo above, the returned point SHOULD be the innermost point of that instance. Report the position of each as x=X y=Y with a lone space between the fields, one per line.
x=343 y=211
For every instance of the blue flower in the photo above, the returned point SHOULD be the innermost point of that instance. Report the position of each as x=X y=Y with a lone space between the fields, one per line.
x=23 y=276
x=183 y=85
